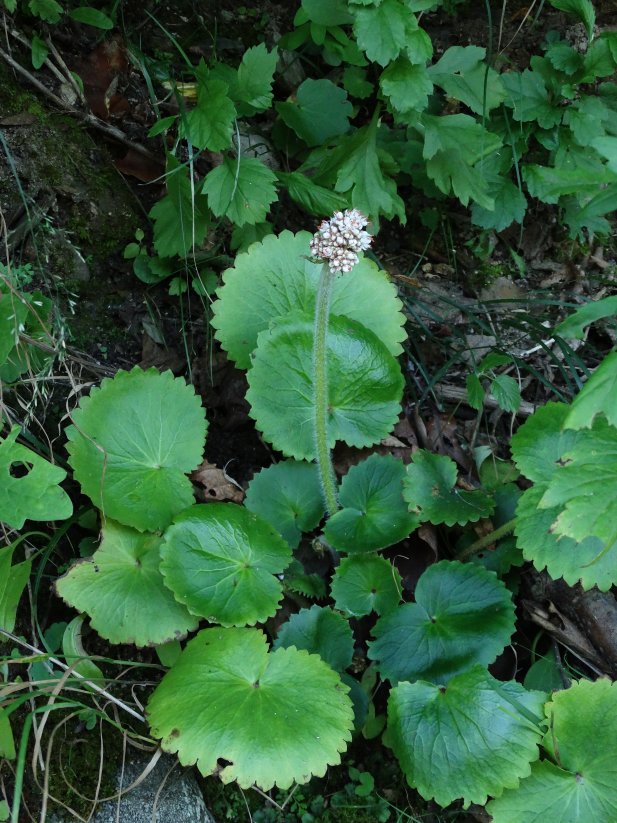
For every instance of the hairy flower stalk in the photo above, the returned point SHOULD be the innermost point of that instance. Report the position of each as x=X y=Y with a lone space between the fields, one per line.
x=337 y=243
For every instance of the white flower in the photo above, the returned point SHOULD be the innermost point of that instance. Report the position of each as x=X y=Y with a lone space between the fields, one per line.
x=340 y=239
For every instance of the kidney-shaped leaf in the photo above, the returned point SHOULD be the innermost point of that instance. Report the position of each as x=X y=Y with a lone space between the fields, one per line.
x=321 y=631
x=133 y=442
x=583 y=787
x=469 y=739
x=366 y=583
x=275 y=718
x=539 y=444
x=220 y=560
x=463 y=615
x=364 y=386
x=374 y=514
x=122 y=590
x=276 y=277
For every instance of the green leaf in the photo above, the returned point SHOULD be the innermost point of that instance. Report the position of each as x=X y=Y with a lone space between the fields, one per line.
x=319 y=112
x=47 y=10
x=464 y=76
x=507 y=393
x=315 y=199
x=181 y=217
x=476 y=729
x=364 y=584
x=475 y=391
x=220 y=560
x=361 y=412
x=133 y=442
x=596 y=397
x=373 y=514
x=545 y=674
x=123 y=592
x=276 y=277
x=574 y=326
x=75 y=654
x=319 y=630
x=241 y=190
x=585 y=118
x=210 y=124
x=462 y=615
x=581 y=787
x=539 y=444
x=39 y=51
x=528 y=97
x=406 y=85
x=429 y=489
x=591 y=215
x=13 y=581
x=243 y=237
x=7 y=750
x=310 y=585
x=382 y=30
x=162 y=125
x=607 y=147
x=29 y=489
x=356 y=83
x=549 y=184
x=510 y=203
x=288 y=495
x=92 y=17
x=227 y=691
x=327 y=12
x=583 y=9
x=14 y=310
x=252 y=92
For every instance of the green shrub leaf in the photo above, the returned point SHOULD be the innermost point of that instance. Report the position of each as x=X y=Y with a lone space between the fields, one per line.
x=122 y=590
x=597 y=396
x=92 y=17
x=364 y=584
x=581 y=785
x=220 y=560
x=288 y=495
x=315 y=199
x=181 y=217
x=241 y=190
x=574 y=326
x=429 y=489
x=528 y=97
x=382 y=29
x=227 y=691
x=464 y=76
x=373 y=514
x=406 y=85
x=463 y=615
x=319 y=112
x=133 y=442
x=469 y=739
x=319 y=630
x=209 y=124
x=252 y=91
x=361 y=412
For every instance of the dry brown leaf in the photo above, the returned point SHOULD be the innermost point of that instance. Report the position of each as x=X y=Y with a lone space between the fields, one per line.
x=216 y=484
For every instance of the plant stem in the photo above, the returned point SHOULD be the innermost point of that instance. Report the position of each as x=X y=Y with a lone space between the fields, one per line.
x=320 y=376
x=485 y=541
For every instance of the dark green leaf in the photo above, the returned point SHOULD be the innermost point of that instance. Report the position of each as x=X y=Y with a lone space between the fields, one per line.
x=319 y=630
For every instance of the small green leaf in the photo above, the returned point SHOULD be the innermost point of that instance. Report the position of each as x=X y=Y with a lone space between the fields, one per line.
x=406 y=85
x=583 y=9
x=181 y=217
x=47 y=10
x=356 y=83
x=92 y=17
x=162 y=125
x=122 y=590
x=539 y=444
x=327 y=12
x=477 y=730
x=210 y=124
x=430 y=490
x=319 y=112
x=462 y=615
x=39 y=51
x=364 y=584
x=252 y=91
x=373 y=514
x=319 y=630
x=241 y=190
x=382 y=29
x=475 y=392
x=576 y=324
x=288 y=495
x=549 y=184
x=528 y=97
x=464 y=76
x=596 y=397
x=315 y=199
x=227 y=691
x=13 y=581
x=220 y=561
x=506 y=392
x=75 y=654
x=7 y=750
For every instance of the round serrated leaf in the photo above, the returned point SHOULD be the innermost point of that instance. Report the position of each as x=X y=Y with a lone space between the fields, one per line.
x=321 y=631
x=365 y=386
x=219 y=559
x=366 y=583
x=463 y=615
x=374 y=514
x=430 y=490
x=276 y=277
x=276 y=718
x=133 y=442
x=469 y=739
x=539 y=444
x=581 y=738
x=122 y=590
x=288 y=495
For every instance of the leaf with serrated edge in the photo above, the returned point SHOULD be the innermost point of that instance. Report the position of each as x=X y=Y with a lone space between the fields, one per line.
x=319 y=630
x=598 y=396
x=220 y=560
x=472 y=738
x=241 y=190
x=133 y=441
x=366 y=583
x=227 y=691
x=540 y=443
x=364 y=385
x=463 y=615
x=122 y=590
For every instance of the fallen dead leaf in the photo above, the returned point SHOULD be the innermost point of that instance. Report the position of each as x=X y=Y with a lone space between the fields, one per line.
x=216 y=484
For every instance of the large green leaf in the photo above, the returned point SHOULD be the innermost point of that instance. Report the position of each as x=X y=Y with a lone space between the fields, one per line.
x=366 y=583
x=472 y=738
x=276 y=277
x=583 y=9
x=13 y=580
x=463 y=75
x=29 y=485
x=122 y=590
x=364 y=386
x=574 y=325
x=382 y=29
x=315 y=199
x=132 y=443
x=288 y=495
x=528 y=97
x=220 y=560
x=319 y=630
x=406 y=85
x=241 y=190
x=430 y=490
x=463 y=615
x=598 y=396
x=539 y=444
x=275 y=718
x=252 y=91
x=319 y=112
x=580 y=786
x=373 y=514
x=210 y=124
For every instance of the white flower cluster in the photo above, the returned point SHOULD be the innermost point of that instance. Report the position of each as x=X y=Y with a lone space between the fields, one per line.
x=340 y=239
